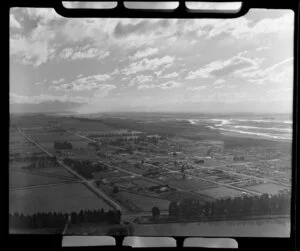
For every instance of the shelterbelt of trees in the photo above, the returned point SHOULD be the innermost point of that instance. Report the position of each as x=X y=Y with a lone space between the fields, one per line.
x=62 y=145
x=42 y=162
x=58 y=220
x=231 y=208
x=85 y=167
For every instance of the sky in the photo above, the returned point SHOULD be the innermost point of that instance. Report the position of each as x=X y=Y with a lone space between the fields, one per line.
x=176 y=65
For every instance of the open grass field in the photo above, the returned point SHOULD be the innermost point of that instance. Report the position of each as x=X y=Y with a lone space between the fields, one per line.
x=78 y=144
x=83 y=156
x=109 y=174
x=171 y=176
x=22 y=179
x=144 y=203
x=16 y=137
x=32 y=120
x=17 y=165
x=219 y=192
x=133 y=169
x=143 y=183
x=53 y=136
x=86 y=126
x=268 y=188
x=189 y=184
x=61 y=198
x=180 y=195
x=60 y=171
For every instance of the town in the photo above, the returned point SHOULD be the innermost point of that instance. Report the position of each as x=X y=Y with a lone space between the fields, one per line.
x=68 y=164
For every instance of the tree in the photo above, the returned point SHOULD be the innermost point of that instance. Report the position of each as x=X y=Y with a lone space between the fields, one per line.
x=155 y=212
x=115 y=189
x=173 y=209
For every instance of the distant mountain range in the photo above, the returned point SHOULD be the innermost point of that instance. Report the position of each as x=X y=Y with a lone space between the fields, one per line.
x=45 y=107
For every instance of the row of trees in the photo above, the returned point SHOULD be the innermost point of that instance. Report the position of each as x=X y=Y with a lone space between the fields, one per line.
x=96 y=216
x=64 y=145
x=85 y=167
x=42 y=162
x=232 y=207
x=40 y=220
x=58 y=220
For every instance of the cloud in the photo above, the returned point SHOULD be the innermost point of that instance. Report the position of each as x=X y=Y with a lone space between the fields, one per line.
x=145 y=53
x=85 y=52
x=140 y=79
x=197 y=88
x=221 y=68
x=169 y=85
x=92 y=82
x=34 y=49
x=13 y=22
x=23 y=99
x=219 y=81
x=134 y=33
x=58 y=81
x=115 y=72
x=103 y=90
x=148 y=64
x=264 y=47
x=245 y=28
x=171 y=75
x=122 y=30
x=140 y=27
x=281 y=72
x=41 y=82
x=164 y=86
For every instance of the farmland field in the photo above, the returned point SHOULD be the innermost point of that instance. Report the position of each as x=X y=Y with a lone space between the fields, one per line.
x=180 y=195
x=143 y=183
x=20 y=179
x=189 y=184
x=219 y=192
x=61 y=198
x=79 y=143
x=133 y=169
x=87 y=126
x=145 y=203
x=56 y=171
x=109 y=174
x=267 y=188
x=83 y=156
x=24 y=148
x=30 y=120
x=17 y=165
x=75 y=144
x=53 y=136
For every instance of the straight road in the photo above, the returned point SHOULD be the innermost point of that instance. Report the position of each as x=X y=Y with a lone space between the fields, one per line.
x=89 y=184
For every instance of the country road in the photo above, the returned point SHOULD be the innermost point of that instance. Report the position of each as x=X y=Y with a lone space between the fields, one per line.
x=87 y=183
